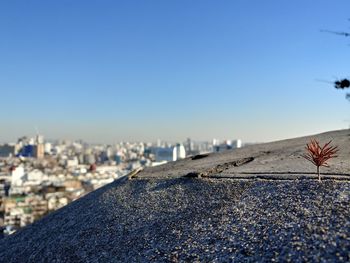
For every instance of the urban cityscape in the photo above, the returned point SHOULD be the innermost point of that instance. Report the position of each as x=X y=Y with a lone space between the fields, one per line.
x=38 y=176
x=174 y=131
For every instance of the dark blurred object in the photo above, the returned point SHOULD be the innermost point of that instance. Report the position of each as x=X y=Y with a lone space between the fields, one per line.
x=92 y=168
x=336 y=32
x=342 y=84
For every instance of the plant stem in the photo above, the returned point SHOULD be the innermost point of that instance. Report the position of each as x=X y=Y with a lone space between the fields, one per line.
x=318 y=172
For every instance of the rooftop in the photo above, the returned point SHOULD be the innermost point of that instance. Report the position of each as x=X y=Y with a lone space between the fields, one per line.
x=258 y=203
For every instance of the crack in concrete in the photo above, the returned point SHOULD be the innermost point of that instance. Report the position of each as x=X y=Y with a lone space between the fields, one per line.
x=219 y=168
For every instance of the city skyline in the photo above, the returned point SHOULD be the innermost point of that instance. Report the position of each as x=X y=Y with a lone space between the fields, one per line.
x=139 y=71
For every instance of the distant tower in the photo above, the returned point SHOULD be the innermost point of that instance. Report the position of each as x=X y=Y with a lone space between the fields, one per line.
x=39 y=151
x=179 y=152
x=39 y=139
x=40 y=147
x=189 y=145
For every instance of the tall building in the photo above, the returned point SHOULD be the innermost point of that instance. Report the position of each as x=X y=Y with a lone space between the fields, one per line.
x=237 y=144
x=39 y=151
x=39 y=139
x=189 y=146
x=179 y=152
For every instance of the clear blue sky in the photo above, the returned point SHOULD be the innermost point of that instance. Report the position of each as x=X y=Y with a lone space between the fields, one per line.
x=106 y=71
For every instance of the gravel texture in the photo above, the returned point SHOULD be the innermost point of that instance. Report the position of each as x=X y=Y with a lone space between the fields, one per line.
x=163 y=216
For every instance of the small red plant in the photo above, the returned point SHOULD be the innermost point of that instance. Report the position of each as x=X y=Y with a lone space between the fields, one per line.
x=320 y=155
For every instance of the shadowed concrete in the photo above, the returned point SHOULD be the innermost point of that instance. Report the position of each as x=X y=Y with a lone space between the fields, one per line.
x=259 y=203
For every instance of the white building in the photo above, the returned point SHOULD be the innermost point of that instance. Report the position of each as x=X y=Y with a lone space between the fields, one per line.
x=35 y=175
x=47 y=148
x=226 y=145
x=72 y=162
x=17 y=176
x=237 y=144
x=170 y=154
x=179 y=152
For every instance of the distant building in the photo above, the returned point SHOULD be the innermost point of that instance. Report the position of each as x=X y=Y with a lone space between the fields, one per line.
x=226 y=145
x=89 y=159
x=164 y=154
x=39 y=139
x=21 y=211
x=170 y=154
x=237 y=144
x=34 y=151
x=27 y=151
x=56 y=201
x=47 y=148
x=189 y=146
x=4 y=189
x=17 y=176
x=7 y=150
x=39 y=151
x=35 y=175
x=72 y=162
x=179 y=152
x=118 y=158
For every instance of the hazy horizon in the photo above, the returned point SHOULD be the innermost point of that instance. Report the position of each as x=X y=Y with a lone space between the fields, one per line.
x=142 y=70
x=164 y=139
